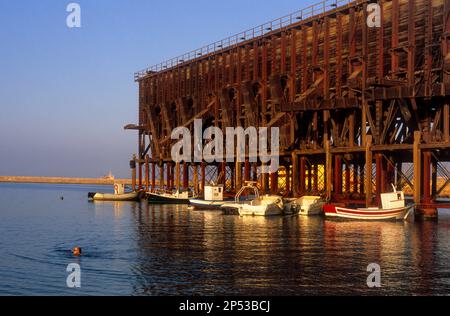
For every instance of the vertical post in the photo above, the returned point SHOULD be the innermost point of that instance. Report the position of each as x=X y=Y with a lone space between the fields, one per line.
x=255 y=172
x=140 y=160
x=196 y=183
x=140 y=175
x=362 y=180
x=351 y=129
x=185 y=176
x=147 y=173
x=294 y=175
x=133 y=173
x=233 y=178
x=310 y=177
x=178 y=176
x=274 y=182
x=446 y=120
x=326 y=119
x=247 y=170
x=172 y=175
x=364 y=123
x=223 y=171
x=203 y=171
x=427 y=211
x=368 y=171
x=302 y=188
x=399 y=178
x=347 y=178
x=379 y=176
x=169 y=176
x=434 y=178
x=140 y=163
x=355 y=178
x=238 y=181
x=264 y=169
x=426 y=177
x=316 y=178
x=161 y=176
x=417 y=167
x=328 y=169
x=389 y=175
x=288 y=180
x=153 y=177
x=337 y=176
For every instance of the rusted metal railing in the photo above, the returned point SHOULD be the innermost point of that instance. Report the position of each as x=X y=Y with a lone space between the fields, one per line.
x=261 y=30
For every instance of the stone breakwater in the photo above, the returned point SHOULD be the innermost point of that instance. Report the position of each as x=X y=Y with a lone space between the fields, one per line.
x=61 y=180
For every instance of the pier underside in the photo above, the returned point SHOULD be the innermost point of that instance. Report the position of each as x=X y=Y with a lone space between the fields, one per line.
x=359 y=108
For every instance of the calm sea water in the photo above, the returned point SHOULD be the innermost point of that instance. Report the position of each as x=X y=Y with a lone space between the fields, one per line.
x=137 y=249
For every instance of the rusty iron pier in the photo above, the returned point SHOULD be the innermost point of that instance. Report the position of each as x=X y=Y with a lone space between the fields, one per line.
x=358 y=107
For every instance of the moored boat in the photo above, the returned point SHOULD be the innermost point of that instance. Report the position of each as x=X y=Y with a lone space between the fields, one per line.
x=213 y=199
x=132 y=196
x=200 y=204
x=167 y=197
x=118 y=195
x=306 y=206
x=393 y=208
x=268 y=205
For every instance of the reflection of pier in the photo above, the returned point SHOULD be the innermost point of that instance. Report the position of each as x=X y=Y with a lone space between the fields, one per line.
x=205 y=253
x=358 y=108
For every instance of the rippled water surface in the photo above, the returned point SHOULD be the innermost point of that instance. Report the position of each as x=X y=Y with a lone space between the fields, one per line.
x=137 y=249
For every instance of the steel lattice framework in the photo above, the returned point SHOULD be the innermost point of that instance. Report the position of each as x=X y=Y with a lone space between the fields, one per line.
x=348 y=99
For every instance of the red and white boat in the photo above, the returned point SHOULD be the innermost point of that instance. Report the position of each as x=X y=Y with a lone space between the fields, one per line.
x=393 y=208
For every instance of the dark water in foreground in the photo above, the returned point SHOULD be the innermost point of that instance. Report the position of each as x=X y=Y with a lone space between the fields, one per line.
x=133 y=249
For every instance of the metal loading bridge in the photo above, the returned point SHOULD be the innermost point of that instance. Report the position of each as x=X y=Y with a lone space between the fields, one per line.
x=358 y=107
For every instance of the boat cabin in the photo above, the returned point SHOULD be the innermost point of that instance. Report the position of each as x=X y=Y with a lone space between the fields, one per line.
x=214 y=193
x=393 y=200
x=119 y=188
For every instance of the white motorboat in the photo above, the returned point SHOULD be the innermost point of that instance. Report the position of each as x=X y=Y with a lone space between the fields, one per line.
x=213 y=198
x=268 y=205
x=118 y=195
x=132 y=196
x=306 y=206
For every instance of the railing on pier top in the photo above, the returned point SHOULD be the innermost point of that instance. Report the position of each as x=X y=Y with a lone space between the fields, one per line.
x=263 y=29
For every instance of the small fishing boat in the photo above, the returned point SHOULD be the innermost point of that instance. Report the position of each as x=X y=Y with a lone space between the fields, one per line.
x=393 y=208
x=132 y=196
x=161 y=197
x=306 y=206
x=213 y=199
x=118 y=195
x=268 y=205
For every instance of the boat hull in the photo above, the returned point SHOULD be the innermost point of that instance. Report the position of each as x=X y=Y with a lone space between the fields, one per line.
x=206 y=205
x=306 y=206
x=126 y=197
x=159 y=199
x=333 y=211
x=270 y=210
x=249 y=210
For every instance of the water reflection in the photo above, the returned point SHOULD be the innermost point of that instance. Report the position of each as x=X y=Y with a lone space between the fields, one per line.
x=206 y=253
x=103 y=208
x=141 y=249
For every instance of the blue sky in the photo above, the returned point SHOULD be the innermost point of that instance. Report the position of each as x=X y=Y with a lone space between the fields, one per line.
x=65 y=94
